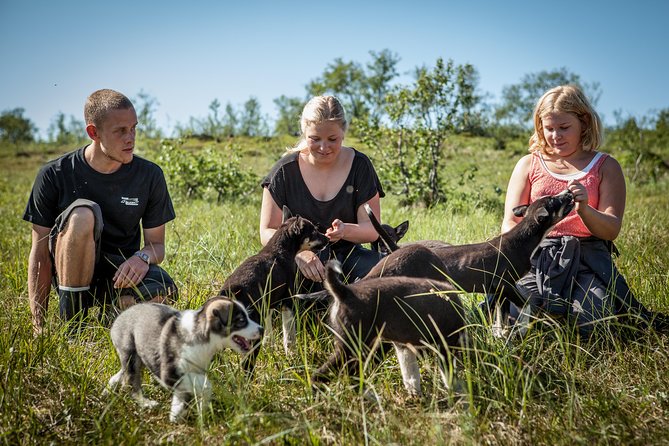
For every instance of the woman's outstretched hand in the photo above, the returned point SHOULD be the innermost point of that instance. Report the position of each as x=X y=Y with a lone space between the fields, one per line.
x=580 y=194
x=336 y=231
x=310 y=266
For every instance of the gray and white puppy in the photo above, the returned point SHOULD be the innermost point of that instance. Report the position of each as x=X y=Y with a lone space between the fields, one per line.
x=177 y=347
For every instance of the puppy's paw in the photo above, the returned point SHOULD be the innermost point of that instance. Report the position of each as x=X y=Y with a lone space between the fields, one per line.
x=146 y=403
x=113 y=383
x=500 y=331
x=289 y=348
x=177 y=418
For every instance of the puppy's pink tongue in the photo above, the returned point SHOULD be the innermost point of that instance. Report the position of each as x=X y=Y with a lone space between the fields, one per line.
x=242 y=342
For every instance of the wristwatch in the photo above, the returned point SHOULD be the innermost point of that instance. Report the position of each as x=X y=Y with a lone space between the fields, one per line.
x=144 y=256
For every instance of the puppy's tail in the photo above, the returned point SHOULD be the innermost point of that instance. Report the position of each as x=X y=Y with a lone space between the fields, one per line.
x=385 y=237
x=333 y=283
x=316 y=295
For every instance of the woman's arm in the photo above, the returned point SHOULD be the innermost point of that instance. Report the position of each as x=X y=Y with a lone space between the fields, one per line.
x=517 y=192
x=270 y=217
x=606 y=221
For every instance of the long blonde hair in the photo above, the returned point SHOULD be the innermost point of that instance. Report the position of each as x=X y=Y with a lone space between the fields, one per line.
x=318 y=110
x=566 y=99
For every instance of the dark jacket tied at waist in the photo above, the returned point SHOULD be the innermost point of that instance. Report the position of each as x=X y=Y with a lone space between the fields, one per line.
x=573 y=276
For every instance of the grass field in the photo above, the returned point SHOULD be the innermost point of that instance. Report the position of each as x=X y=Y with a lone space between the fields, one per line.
x=548 y=388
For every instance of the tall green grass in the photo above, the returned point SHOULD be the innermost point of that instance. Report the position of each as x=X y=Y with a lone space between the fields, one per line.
x=549 y=387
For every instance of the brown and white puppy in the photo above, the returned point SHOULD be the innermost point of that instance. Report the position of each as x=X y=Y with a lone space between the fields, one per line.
x=177 y=347
x=263 y=281
x=412 y=313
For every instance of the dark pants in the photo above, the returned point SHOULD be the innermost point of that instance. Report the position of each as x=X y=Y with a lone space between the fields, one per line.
x=103 y=294
x=577 y=279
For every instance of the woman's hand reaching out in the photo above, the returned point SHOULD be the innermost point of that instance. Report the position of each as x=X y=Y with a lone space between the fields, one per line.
x=580 y=195
x=336 y=231
x=310 y=265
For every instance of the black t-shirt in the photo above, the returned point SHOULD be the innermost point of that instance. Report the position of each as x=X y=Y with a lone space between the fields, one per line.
x=135 y=193
x=286 y=185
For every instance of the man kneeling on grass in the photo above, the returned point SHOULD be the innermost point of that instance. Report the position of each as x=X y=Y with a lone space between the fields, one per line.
x=86 y=210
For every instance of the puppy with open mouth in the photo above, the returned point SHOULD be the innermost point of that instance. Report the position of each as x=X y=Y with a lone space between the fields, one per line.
x=178 y=346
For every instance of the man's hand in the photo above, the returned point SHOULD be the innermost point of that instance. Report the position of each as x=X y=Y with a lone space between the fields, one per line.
x=130 y=272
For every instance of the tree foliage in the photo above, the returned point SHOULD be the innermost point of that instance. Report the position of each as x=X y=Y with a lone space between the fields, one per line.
x=381 y=72
x=197 y=174
x=362 y=90
x=642 y=146
x=146 y=106
x=248 y=121
x=288 y=121
x=66 y=130
x=251 y=121
x=421 y=118
x=16 y=128
x=519 y=100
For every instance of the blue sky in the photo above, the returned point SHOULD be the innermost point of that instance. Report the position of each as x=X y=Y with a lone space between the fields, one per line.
x=188 y=53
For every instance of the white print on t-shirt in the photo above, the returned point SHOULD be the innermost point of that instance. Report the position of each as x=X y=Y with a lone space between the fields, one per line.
x=130 y=201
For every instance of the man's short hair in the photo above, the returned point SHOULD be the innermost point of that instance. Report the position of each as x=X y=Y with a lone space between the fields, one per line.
x=101 y=102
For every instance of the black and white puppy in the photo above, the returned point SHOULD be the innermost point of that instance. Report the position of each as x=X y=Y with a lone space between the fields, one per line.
x=412 y=313
x=177 y=347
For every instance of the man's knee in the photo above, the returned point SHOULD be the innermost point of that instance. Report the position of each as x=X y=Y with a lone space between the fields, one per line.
x=81 y=221
x=83 y=218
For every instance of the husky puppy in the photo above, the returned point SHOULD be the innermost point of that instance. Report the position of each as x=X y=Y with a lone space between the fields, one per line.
x=177 y=347
x=263 y=280
x=412 y=313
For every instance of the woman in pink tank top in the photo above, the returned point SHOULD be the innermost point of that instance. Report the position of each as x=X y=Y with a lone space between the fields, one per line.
x=573 y=275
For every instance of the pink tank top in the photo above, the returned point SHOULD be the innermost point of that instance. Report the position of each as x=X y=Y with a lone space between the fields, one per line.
x=544 y=182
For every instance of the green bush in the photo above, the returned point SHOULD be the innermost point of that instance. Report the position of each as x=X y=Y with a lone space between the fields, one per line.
x=209 y=171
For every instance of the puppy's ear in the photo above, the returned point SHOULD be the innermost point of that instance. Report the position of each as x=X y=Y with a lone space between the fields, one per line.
x=541 y=214
x=402 y=229
x=219 y=317
x=519 y=211
x=297 y=226
x=286 y=214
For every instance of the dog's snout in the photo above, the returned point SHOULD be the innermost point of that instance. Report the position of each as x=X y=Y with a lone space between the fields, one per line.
x=566 y=194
